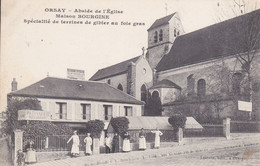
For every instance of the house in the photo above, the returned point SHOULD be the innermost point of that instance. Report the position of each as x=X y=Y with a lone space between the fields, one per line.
x=75 y=102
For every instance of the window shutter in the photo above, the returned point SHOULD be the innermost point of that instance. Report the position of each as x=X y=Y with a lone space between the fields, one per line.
x=121 y=111
x=52 y=109
x=101 y=112
x=77 y=111
x=93 y=111
x=69 y=111
x=88 y=112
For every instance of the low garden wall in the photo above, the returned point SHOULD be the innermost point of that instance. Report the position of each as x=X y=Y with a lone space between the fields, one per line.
x=244 y=127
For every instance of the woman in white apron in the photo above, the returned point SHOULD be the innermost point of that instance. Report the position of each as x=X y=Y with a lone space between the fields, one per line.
x=88 y=141
x=75 y=144
x=126 y=143
x=157 y=133
x=142 y=140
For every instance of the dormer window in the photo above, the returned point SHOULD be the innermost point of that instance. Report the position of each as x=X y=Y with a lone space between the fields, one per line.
x=155 y=37
x=161 y=35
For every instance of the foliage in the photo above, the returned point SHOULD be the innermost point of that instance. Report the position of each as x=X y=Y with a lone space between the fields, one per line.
x=43 y=128
x=177 y=121
x=95 y=127
x=120 y=125
x=13 y=105
x=153 y=106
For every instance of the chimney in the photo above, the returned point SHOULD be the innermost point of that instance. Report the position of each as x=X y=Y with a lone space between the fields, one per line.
x=14 y=85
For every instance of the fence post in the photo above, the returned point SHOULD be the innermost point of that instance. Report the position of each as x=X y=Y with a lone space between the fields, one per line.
x=18 y=144
x=46 y=143
x=180 y=135
x=226 y=128
x=96 y=147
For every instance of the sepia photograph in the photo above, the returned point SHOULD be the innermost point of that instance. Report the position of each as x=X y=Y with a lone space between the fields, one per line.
x=130 y=83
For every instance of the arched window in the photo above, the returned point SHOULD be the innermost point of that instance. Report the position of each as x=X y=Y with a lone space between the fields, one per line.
x=143 y=93
x=175 y=32
x=155 y=37
x=120 y=87
x=190 y=84
x=155 y=94
x=161 y=35
x=201 y=87
x=236 y=80
x=109 y=81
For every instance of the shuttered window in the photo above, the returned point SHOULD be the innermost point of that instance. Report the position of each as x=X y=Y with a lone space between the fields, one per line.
x=128 y=111
x=62 y=110
x=85 y=111
x=107 y=112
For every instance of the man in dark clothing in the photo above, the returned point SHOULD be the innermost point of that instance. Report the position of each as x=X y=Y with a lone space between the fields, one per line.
x=115 y=143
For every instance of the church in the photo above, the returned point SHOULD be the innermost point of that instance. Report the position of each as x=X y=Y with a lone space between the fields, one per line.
x=203 y=73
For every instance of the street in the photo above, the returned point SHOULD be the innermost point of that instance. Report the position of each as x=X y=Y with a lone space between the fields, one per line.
x=236 y=156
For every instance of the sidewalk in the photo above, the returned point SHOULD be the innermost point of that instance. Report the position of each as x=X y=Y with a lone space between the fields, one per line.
x=199 y=145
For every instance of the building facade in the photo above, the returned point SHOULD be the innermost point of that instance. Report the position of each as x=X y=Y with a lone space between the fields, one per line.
x=206 y=68
x=75 y=102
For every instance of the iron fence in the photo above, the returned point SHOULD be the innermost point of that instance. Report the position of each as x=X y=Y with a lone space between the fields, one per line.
x=53 y=143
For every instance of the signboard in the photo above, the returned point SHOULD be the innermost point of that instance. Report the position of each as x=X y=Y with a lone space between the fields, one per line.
x=245 y=106
x=76 y=74
x=33 y=115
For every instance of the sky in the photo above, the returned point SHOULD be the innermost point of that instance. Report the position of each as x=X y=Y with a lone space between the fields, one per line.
x=31 y=51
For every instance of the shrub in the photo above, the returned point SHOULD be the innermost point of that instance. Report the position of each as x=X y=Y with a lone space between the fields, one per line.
x=120 y=125
x=43 y=128
x=95 y=127
x=177 y=121
x=13 y=105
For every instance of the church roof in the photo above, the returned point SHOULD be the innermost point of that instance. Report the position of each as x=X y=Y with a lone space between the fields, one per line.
x=165 y=84
x=113 y=70
x=226 y=38
x=60 y=88
x=161 y=21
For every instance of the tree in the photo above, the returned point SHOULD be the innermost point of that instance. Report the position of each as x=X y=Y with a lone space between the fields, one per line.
x=95 y=127
x=154 y=105
x=249 y=30
x=13 y=105
x=177 y=121
x=120 y=125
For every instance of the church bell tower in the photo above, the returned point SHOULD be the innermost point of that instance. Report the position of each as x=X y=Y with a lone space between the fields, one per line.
x=161 y=36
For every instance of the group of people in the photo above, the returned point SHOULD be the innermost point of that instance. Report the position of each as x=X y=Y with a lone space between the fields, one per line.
x=75 y=144
x=112 y=145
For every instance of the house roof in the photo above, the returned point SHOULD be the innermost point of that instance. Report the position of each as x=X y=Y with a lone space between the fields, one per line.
x=165 y=84
x=152 y=122
x=223 y=39
x=51 y=87
x=161 y=21
x=116 y=69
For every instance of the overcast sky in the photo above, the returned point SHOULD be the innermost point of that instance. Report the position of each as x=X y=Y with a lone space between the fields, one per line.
x=30 y=51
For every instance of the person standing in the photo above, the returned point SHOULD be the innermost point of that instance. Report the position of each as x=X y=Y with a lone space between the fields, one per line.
x=142 y=140
x=126 y=142
x=108 y=143
x=75 y=144
x=88 y=141
x=157 y=133
x=115 y=143
x=30 y=154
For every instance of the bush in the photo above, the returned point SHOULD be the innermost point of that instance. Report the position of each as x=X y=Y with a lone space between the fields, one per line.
x=43 y=128
x=120 y=125
x=177 y=121
x=13 y=105
x=95 y=127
